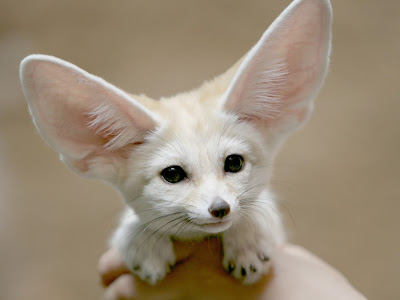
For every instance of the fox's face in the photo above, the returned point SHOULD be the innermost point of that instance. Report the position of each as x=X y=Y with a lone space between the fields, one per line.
x=203 y=165
x=200 y=160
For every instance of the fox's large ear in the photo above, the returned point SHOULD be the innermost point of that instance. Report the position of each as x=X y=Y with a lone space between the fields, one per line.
x=277 y=80
x=87 y=120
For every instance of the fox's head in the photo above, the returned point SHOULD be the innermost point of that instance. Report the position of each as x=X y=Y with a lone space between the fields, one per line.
x=204 y=156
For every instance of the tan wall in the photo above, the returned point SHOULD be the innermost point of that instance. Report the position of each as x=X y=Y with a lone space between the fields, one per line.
x=338 y=178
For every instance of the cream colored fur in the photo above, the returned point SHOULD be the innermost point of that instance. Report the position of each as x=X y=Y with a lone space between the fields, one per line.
x=128 y=140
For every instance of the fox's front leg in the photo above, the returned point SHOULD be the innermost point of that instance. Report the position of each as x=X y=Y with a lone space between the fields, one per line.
x=146 y=253
x=247 y=247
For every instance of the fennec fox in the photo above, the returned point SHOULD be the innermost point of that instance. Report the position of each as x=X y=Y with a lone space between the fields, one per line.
x=198 y=163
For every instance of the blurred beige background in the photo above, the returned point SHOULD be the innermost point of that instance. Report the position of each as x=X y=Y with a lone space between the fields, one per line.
x=338 y=178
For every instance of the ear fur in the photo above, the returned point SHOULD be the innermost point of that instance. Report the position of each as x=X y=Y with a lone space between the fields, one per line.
x=87 y=120
x=277 y=80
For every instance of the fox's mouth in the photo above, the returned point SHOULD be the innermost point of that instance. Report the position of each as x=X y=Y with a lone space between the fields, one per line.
x=214 y=227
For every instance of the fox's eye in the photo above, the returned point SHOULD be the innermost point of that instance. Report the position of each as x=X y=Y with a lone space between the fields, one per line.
x=234 y=163
x=173 y=174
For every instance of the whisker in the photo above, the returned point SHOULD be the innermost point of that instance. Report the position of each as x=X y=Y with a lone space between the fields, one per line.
x=185 y=224
x=156 y=231
x=165 y=233
x=250 y=189
x=141 y=229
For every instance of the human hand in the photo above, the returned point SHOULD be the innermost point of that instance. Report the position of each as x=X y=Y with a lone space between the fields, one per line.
x=296 y=274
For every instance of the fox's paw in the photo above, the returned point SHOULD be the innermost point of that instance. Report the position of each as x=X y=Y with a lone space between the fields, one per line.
x=152 y=261
x=247 y=260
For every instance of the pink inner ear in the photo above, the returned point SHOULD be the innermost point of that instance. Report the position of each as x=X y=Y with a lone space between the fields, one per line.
x=284 y=71
x=305 y=61
x=60 y=107
x=78 y=113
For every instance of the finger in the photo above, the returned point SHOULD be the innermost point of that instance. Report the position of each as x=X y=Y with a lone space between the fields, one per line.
x=122 y=288
x=308 y=276
x=298 y=254
x=111 y=266
x=185 y=249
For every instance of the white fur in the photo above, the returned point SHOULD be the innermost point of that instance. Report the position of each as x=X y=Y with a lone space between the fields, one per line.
x=102 y=132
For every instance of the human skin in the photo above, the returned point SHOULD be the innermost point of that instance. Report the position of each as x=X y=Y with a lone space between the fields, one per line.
x=295 y=274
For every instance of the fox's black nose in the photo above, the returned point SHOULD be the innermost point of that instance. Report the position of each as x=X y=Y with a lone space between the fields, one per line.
x=219 y=208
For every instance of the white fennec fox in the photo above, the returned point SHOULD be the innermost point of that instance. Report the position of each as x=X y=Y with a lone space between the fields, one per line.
x=196 y=164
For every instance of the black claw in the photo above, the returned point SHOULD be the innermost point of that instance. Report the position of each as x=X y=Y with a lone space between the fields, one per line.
x=263 y=257
x=243 y=271
x=136 y=267
x=253 y=268
x=231 y=267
